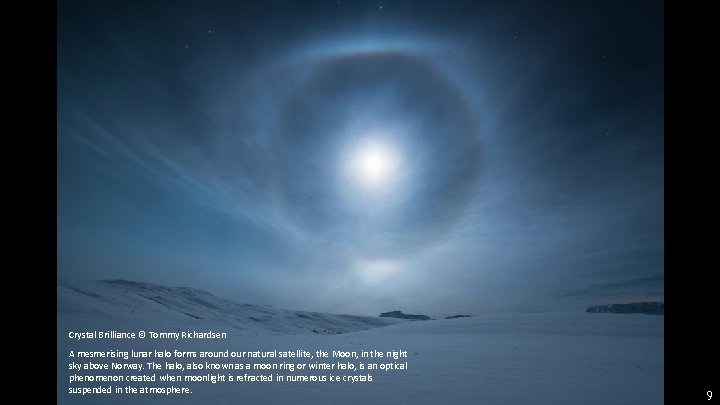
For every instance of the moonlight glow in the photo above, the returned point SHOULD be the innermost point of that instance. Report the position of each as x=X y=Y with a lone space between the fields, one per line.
x=373 y=166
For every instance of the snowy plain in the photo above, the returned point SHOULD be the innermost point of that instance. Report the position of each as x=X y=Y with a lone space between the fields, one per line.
x=539 y=358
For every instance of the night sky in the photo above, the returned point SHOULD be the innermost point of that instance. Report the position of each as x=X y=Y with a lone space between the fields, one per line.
x=437 y=157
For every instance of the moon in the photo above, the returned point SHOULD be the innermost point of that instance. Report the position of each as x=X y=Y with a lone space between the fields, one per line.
x=373 y=166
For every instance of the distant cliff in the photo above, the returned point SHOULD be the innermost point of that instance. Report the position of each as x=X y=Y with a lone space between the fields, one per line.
x=399 y=314
x=651 y=308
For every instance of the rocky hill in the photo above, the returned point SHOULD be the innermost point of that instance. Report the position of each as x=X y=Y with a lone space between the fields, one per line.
x=651 y=308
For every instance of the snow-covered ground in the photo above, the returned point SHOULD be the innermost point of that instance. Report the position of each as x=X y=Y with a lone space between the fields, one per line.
x=538 y=358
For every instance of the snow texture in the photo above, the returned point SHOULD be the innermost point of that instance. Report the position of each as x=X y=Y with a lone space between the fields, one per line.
x=539 y=358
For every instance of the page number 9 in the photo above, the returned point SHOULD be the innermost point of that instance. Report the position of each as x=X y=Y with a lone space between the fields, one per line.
x=709 y=394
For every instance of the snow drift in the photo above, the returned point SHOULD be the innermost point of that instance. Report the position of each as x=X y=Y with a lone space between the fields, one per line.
x=539 y=358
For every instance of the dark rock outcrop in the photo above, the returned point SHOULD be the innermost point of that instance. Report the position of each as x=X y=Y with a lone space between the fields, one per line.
x=651 y=308
x=457 y=316
x=399 y=314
